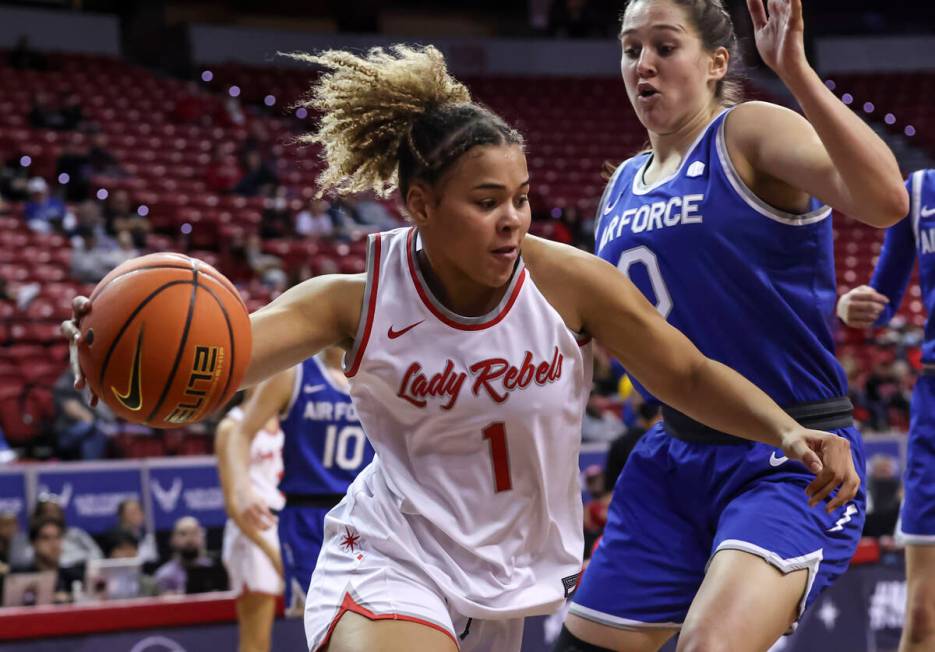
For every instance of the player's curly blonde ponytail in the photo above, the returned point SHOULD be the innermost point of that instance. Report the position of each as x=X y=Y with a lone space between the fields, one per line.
x=391 y=116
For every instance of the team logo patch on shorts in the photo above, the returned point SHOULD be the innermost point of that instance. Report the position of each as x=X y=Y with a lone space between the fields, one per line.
x=571 y=583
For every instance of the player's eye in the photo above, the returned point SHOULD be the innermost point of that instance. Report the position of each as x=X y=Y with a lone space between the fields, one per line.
x=631 y=52
x=487 y=204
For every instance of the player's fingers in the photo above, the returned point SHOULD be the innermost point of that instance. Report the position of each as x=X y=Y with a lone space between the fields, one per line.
x=757 y=13
x=831 y=481
x=802 y=451
x=796 y=9
x=845 y=494
x=81 y=305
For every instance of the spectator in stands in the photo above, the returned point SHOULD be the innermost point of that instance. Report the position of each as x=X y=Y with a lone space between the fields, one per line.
x=9 y=529
x=258 y=178
x=367 y=211
x=132 y=521
x=266 y=267
x=191 y=569
x=596 y=504
x=47 y=536
x=14 y=178
x=884 y=492
x=75 y=164
x=23 y=57
x=647 y=415
x=120 y=215
x=82 y=430
x=7 y=454
x=100 y=160
x=92 y=257
x=276 y=220
x=43 y=212
x=599 y=424
x=65 y=117
x=78 y=546
x=221 y=173
x=314 y=221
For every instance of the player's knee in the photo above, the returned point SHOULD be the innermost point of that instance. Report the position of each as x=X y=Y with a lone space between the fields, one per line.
x=703 y=639
x=920 y=621
x=568 y=642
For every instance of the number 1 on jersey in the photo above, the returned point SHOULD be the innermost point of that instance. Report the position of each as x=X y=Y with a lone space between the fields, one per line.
x=495 y=433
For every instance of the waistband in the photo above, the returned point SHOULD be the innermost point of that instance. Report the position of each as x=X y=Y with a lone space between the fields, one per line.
x=829 y=414
x=313 y=500
x=928 y=369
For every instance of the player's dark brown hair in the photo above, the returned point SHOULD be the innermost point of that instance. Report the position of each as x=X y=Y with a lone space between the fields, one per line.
x=714 y=26
x=393 y=116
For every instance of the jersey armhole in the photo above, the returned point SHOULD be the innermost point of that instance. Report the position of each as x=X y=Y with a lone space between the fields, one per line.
x=915 y=202
x=353 y=357
x=607 y=192
x=296 y=388
x=750 y=198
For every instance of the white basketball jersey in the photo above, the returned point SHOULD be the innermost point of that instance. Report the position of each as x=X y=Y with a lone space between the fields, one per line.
x=265 y=463
x=476 y=422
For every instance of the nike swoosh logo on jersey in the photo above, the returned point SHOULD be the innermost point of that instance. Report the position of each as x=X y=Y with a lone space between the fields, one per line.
x=393 y=334
x=927 y=212
x=311 y=389
x=777 y=461
x=611 y=206
x=132 y=399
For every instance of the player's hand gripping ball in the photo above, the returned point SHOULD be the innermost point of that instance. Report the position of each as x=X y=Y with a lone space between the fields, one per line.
x=166 y=342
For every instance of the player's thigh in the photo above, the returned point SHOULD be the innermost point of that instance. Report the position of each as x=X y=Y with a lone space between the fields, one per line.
x=744 y=605
x=255 y=613
x=613 y=638
x=354 y=633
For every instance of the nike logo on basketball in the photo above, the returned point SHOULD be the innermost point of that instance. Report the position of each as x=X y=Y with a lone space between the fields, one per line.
x=311 y=389
x=133 y=398
x=393 y=334
x=927 y=212
x=777 y=461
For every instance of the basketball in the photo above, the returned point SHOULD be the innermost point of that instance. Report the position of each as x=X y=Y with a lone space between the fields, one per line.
x=167 y=340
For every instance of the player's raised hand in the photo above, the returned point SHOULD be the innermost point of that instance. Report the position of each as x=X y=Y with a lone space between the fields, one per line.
x=71 y=329
x=829 y=457
x=861 y=307
x=778 y=30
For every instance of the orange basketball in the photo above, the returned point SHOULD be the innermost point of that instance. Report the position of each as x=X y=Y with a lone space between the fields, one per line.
x=167 y=340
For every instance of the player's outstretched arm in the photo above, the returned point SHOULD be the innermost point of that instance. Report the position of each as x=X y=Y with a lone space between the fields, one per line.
x=833 y=155
x=232 y=444
x=593 y=296
x=320 y=312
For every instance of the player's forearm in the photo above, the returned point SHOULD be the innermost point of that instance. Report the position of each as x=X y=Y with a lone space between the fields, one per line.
x=721 y=398
x=867 y=166
x=233 y=452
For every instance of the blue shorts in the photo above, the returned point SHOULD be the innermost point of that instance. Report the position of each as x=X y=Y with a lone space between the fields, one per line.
x=301 y=530
x=677 y=503
x=917 y=519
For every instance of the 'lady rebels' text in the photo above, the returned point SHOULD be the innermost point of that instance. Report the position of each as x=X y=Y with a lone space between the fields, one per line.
x=496 y=376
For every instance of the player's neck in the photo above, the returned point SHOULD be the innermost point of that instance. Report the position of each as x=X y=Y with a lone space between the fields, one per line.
x=669 y=149
x=456 y=291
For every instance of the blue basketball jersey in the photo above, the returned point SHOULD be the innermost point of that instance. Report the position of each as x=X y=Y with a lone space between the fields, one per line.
x=752 y=286
x=912 y=237
x=325 y=446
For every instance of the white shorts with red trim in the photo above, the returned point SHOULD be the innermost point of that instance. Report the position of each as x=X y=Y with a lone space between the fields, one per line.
x=248 y=567
x=351 y=576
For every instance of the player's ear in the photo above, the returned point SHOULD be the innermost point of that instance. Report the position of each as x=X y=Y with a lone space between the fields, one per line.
x=719 y=62
x=419 y=202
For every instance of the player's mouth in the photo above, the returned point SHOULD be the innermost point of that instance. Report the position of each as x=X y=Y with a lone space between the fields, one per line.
x=506 y=254
x=646 y=92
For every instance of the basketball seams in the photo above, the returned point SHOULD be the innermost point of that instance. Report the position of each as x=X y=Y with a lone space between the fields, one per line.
x=181 y=349
x=100 y=288
x=129 y=321
x=230 y=336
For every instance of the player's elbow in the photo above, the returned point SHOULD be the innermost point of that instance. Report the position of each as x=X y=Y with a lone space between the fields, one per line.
x=890 y=206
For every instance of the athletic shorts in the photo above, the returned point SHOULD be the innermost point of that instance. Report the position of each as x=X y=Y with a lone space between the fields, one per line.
x=677 y=503
x=351 y=576
x=917 y=518
x=248 y=567
x=300 y=535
